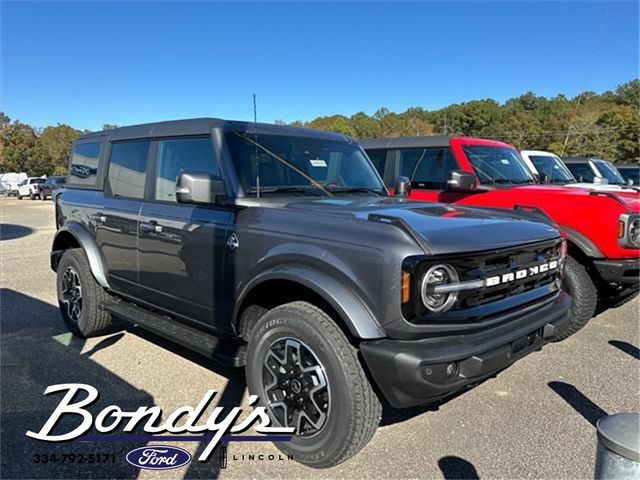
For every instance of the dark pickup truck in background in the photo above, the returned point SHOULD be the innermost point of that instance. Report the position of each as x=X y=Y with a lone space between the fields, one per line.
x=280 y=250
x=51 y=184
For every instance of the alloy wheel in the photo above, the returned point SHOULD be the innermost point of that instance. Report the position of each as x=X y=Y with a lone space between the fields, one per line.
x=72 y=293
x=295 y=386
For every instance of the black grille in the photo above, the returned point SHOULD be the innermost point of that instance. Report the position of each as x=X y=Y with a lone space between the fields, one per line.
x=486 y=301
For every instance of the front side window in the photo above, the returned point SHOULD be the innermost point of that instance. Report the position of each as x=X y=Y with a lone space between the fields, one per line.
x=609 y=172
x=427 y=167
x=127 y=169
x=497 y=165
x=178 y=155
x=553 y=168
x=292 y=165
x=84 y=163
x=581 y=171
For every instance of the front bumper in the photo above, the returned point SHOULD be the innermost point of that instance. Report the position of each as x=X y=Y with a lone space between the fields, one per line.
x=412 y=372
x=625 y=271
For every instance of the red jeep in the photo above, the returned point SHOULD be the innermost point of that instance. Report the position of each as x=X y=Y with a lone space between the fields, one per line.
x=603 y=228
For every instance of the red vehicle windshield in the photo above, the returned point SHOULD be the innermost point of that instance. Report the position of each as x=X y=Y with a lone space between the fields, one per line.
x=497 y=164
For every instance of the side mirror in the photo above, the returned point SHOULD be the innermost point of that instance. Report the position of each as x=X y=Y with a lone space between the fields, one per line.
x=600 y=181
x=459 y=181
x=402 y=187
x=197 y=187
x=544 y=178
x=629 y=181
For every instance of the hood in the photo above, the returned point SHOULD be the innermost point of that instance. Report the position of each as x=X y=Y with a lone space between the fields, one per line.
x=628 y=196
x=442 y=228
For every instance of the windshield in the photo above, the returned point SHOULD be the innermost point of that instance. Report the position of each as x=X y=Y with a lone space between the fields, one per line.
x=553 y=168
x=631 y=173
x=301 y=165
x=497 y=165
x=609 y=172
x=37 y=180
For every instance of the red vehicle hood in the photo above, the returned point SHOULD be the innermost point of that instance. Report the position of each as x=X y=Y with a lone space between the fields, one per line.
x=630 y=199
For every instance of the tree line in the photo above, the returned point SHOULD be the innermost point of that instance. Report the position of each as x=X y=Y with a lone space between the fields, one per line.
x=605 y=125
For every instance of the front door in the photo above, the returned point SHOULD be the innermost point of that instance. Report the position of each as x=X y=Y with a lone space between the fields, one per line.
x=181 y=248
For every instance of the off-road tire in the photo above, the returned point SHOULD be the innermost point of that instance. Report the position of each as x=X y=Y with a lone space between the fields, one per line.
x=93 y=321
x=354 y=409
x=578 y=283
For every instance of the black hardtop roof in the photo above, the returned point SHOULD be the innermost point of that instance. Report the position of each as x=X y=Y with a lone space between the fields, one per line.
x=202 y=126
x=407 y=142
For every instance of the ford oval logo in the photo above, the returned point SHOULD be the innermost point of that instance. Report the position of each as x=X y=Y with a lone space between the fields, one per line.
x=158 y=457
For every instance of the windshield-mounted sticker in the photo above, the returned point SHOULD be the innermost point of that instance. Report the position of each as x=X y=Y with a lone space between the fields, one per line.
x=317 y=162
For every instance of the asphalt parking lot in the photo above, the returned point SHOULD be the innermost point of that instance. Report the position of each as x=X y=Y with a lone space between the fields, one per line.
x=534 y=420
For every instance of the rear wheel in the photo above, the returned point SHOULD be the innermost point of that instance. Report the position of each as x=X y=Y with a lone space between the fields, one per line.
x=19 y=196
x=79 y=295
x=308 y=375
x=578 y=283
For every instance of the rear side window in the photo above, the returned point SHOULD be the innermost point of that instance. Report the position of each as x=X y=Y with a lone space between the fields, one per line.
x=83 y=169
x=128 y=169
x=581 y=171
x=178 y=155
x=427 y=167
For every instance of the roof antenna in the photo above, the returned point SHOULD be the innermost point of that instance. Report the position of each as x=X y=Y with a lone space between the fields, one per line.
x=255 y=139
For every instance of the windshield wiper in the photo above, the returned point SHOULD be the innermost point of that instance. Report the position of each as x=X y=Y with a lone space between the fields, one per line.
x=307 y=190
x=355 y=190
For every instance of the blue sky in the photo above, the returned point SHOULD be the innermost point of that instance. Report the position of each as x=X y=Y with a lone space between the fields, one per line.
x=91 y=63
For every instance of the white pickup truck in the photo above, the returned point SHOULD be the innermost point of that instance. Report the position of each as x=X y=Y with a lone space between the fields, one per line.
x=30 y=187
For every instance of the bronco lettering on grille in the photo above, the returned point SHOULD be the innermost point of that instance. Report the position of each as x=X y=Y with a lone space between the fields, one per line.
x=520 y=274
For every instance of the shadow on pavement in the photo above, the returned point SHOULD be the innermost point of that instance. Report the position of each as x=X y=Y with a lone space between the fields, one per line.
x=626 y=348
x=37 y=351
x=580 y=402
x=456 y=468
x=9 y=231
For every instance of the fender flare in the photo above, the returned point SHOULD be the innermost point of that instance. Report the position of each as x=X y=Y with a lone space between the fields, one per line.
x=358 y=318
x=583 y=242
x=88 y=244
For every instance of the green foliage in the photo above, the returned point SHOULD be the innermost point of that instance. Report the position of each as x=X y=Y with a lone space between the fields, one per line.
x=25 y=149
x=603 y=125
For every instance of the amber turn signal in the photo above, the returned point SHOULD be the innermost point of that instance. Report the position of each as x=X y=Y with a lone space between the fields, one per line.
x=621 y=226
x=406 y=287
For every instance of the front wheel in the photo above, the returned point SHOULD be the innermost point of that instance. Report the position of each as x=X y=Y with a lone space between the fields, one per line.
x=43 y=196
x=32 y=196
x=578 y=283
x=19 y=196
x=308 y=375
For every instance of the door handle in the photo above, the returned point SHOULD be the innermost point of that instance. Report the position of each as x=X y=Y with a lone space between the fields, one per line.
x=150 y=227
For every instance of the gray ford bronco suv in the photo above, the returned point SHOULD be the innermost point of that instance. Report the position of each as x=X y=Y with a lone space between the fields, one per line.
x=280 y=250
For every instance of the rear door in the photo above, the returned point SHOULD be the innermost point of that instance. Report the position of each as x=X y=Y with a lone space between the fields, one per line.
x=182 y=247
x=117 y=222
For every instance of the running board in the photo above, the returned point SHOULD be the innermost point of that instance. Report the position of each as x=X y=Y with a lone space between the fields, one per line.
x=223 y=350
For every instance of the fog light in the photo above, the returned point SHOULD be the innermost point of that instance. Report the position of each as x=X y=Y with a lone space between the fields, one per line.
x=436 y=276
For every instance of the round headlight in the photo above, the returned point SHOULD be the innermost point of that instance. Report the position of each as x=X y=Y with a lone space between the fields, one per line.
x=634 y=232
x=439 y=275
